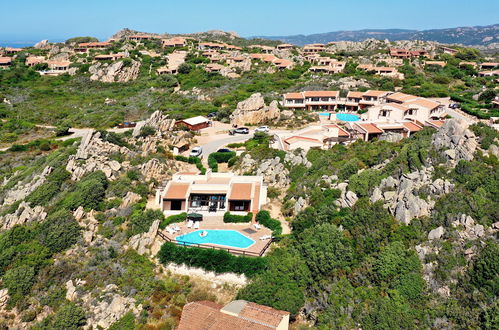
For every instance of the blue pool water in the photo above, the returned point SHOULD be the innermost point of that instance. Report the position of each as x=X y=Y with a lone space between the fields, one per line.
x=347 y=117
x=324 y=114
x=229 y=238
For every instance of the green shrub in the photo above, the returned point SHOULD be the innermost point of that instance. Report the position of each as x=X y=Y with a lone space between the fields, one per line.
x=263 y=217
x=219 y=157
x=59 y=231
x=69 y=317
x=173 y=219
x=140 y=222
x=232 y=218
x=219 y=261
x=147 y=131
x=125 y=323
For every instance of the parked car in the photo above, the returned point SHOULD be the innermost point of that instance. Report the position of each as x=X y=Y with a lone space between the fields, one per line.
x=263 y=129
x=224 y=150
x=454 y=105
x=196 y=152
x=242 y=130
x=212 y=114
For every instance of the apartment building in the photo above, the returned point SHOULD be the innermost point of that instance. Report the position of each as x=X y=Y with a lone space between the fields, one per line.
x=405 y=53
x=312 y=100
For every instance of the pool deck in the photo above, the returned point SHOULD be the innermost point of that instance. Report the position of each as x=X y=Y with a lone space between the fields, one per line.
x=215 y=222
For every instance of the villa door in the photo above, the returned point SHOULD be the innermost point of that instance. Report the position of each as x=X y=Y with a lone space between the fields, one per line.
x=176 y=205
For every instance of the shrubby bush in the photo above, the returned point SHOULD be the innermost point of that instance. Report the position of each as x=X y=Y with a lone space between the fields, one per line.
x=219 y=261
x=141 y=221
x=173 y=219
x=59 y=231
x=263 y=217
x=233 y=218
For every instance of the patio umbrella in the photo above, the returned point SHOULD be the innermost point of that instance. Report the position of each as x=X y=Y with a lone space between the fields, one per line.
x=195 y=216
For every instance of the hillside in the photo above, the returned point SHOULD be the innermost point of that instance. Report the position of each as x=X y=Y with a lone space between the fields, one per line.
x=475 y=35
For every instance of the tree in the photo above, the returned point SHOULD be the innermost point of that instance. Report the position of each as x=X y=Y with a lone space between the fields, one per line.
x=487 y=96
x=184 y=68
x=325 y=249
x=59 y=231
x=484 y=272
x=69 y=317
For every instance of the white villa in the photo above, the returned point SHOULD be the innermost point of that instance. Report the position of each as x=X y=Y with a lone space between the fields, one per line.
x=212 y=194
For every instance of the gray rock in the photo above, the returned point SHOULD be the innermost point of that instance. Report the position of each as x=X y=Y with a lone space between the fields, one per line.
x=436 y=233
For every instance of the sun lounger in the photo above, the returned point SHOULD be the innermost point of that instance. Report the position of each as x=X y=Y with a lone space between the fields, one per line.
x=257 y=226
x=265 y=237
x=170 y=231
x=190 y=223
x=176 y=228
x=196 y=225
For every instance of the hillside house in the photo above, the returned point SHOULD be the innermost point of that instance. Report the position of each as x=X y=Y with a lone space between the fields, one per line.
x=109 y=57
x=436 y=63
x=5 y=61
x=311 y=100
x=321 y=137
x=450 y=51
x=405 y=53
x=174 y=42
x=238 y=314
x=285 y=46
x=488 y=65
x=212 y=193
x=34 y=60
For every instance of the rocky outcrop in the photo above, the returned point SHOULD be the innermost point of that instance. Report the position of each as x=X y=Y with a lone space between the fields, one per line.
x=297 y=158
x=22 y=189
x=347 y=198
x=115 y=72
x=130 y=199
x=93 y=155
x=402 y=196
x=102 y=311
x=158 y=171
x=455 y=141
x=23 y=215
x=88 y=222
x=146 y=243
x=158 y=121
x=41 y=44
x=273 y=171
x=254 y=111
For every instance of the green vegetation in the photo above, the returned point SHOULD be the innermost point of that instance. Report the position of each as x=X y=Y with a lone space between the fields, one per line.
x=233 y=218
x=216 y=158
x=219 y=261
x=263 y=217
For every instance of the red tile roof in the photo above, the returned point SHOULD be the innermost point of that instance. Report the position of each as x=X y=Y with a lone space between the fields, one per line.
x=412 y=127
x=294 y=96
x=5 y=60
x=177 y=190
x=241 y=191
x=321 y=93
x=209 y=316
x=370 y=128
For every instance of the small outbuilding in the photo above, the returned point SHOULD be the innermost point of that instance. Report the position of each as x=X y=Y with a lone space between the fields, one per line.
x=194 y=123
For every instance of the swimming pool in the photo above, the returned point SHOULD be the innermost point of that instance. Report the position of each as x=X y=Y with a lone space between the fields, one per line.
x=347 y=117
x=229 y=238
x=324 y=114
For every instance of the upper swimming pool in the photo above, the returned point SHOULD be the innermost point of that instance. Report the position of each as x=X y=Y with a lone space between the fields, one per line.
x=347 y=117
x=230 y=238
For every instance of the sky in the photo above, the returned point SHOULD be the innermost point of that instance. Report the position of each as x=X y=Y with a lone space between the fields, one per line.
x=56 y=20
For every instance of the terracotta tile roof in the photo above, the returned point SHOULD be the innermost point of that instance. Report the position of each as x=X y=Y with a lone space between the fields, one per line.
x=5 y=60
x=295 y=138
x=294 y=96
x=400 y=97
x=177 y=190
x=424 y=103
x=440 y=63
x=412 y=127
x=208 y=316
x=356 y=95
x=396 y=106
x=341 y=131
x=94 y=44
x=374 y=93
x=241 y=191
x=370 y=128
x=436 y=123
x=321 y=93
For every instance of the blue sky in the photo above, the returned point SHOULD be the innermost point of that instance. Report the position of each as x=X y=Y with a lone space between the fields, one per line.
x=32 y=20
